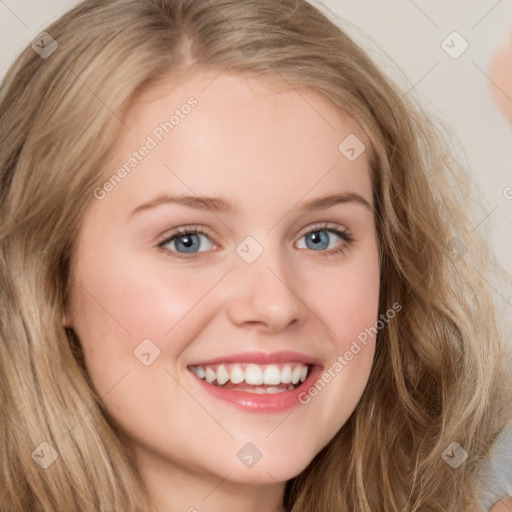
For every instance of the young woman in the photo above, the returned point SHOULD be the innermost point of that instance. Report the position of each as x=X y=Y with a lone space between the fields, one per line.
x=237 y=273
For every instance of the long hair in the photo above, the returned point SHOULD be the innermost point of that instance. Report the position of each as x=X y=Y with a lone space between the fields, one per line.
x=439 y=374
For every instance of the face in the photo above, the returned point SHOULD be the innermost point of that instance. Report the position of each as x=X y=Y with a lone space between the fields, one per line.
x=220 y=282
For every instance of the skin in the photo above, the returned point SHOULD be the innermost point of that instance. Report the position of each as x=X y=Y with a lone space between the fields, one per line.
x=500 y=73
x=264 y=150
x=502 y=506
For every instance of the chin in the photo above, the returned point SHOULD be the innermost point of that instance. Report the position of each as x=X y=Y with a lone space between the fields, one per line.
x=272 y=471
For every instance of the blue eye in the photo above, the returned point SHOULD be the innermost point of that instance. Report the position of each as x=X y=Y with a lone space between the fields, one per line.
x=321 y=239
x=187 y=242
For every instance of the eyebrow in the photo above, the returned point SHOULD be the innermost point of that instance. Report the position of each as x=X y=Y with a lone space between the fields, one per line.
x=218 y=204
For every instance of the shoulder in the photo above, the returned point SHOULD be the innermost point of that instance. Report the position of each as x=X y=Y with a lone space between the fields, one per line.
x=494 y=473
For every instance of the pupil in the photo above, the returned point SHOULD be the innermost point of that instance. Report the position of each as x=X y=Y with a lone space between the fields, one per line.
x=317 y=238
x=187 y=243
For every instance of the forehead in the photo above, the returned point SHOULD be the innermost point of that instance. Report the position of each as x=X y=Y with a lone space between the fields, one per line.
x=215 y=132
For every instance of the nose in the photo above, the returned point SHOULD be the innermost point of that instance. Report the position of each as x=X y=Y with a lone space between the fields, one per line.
x=266 y=294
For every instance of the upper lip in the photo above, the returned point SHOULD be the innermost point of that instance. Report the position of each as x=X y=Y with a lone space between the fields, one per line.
x=260 y=358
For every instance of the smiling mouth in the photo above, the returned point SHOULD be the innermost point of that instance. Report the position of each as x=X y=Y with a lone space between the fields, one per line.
x=254 y=378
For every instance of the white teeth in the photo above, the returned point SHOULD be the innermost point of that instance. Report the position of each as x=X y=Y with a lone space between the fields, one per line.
x=286 y=374
x=236 y=375
x=272 y=375
x=222 y=375
x=198 y=370
x=296 y=374
x=210 y=375
x=253 y=375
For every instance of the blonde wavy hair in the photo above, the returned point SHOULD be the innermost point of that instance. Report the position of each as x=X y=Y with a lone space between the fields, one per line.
x=439 y=374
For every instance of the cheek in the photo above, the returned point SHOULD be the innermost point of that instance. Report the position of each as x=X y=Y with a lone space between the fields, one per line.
x=347 y=299
x=134 y=327
x=117 y=308
x=350 y=309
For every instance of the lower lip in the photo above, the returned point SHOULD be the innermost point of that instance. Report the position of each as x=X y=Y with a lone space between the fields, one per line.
x=268 y=402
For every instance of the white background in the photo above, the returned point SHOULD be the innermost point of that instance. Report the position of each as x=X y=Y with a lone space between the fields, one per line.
x=403 y=35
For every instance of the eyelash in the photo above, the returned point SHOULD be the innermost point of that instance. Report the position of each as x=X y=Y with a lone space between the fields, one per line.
x=345 y=236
